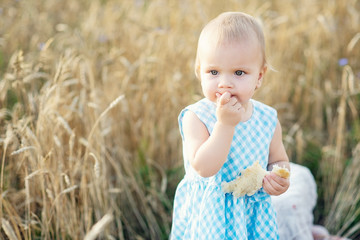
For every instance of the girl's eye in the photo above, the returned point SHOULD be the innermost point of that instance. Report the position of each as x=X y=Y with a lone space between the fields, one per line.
x=214 y=72
x=239 y=72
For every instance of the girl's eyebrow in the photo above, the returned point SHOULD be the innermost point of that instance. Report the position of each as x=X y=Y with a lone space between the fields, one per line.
x=234 y=68
x=241 y=68
x=211 y=66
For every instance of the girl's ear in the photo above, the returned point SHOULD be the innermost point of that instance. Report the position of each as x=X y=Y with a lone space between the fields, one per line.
x=197 y=71
x=261 y=76
x=197 y=67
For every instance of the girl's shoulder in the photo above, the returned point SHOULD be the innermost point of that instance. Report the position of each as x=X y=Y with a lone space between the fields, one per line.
x=204 y=109
x=203 y=105
x=263 y=109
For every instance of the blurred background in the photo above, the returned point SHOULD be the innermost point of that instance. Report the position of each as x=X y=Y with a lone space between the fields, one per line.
x=90 y=92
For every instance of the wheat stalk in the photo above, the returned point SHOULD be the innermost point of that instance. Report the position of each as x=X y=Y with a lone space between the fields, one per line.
x=111 y=106
x=99 y=227
x=6 y=226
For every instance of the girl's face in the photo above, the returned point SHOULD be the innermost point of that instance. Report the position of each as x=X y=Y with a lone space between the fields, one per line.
x=235 y=67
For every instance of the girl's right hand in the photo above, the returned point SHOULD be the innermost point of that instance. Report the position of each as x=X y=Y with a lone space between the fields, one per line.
x=229 y=111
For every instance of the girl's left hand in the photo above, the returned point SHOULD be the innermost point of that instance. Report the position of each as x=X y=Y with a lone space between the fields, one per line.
x=275 y=185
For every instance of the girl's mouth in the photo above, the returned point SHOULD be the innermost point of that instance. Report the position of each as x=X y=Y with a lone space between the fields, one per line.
x=219 y=94
x=223 y=97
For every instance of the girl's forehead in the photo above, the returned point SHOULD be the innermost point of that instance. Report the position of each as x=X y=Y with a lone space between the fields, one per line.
x=250 y=41
x=247 y=50
x=218 y=38
x=212 y=44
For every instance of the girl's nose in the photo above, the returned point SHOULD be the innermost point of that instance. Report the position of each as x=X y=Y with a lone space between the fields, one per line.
x=225 y=82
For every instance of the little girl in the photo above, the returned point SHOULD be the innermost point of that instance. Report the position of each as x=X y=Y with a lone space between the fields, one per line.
x=226 y=132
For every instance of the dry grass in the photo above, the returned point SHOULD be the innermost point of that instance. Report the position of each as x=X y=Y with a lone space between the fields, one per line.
x=89 y=98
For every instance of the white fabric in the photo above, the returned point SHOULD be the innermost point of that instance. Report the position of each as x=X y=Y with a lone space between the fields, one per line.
x=295 y=207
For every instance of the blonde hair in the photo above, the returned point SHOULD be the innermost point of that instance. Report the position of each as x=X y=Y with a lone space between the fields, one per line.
x=229 y=27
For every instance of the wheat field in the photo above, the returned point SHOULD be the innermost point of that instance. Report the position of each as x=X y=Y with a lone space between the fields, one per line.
x=90 y=92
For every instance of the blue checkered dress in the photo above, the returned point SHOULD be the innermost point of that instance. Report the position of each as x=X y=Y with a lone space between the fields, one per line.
x=201 y=209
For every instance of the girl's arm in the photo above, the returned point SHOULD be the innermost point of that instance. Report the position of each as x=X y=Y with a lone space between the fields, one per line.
x=208 y=153
x=273 y=184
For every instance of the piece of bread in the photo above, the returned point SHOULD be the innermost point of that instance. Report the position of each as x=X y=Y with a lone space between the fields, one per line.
x=251 y=180
x=281 y=171
x=248 y=183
